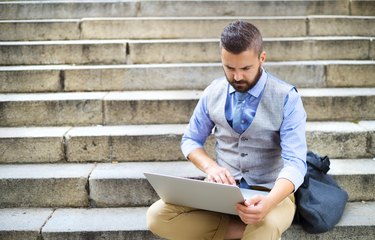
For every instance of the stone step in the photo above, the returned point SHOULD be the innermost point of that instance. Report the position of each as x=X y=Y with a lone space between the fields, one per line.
x=155 y=107
x=75 y=185
x=73 y=223
x=178 y=50
x=23 y=223
x=357 y=222
x=53 y=109
x=118 y=184
x=279 y=49
x=45 y=144
x=169 y=28
x=158 y=142
x=340 y=26
x=66 y=9
x=63 y=52
x=339 y=103
x=45 y=185
x=57 y=78
x=124 y=185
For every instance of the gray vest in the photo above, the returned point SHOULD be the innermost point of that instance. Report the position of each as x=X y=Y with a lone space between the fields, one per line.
x=254 y=155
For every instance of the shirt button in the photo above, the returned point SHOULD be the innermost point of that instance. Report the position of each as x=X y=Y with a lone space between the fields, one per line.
x=243 y=121
x=243 y=154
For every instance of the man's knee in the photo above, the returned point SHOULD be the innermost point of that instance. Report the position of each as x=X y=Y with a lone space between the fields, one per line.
x=161 y=219
x=269 y=228
x=273 y=226
x=153 y=217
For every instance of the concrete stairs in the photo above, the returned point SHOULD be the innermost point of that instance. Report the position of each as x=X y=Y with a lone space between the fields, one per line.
x=191 y=50
x=94 y=93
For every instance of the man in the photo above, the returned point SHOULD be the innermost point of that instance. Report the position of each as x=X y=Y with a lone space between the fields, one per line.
x=259 y=125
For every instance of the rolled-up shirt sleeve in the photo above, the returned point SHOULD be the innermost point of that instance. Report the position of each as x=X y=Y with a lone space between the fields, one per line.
x=293 y=140
x=199 y=128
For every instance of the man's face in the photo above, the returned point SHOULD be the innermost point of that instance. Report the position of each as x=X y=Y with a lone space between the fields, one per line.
x=242 y=70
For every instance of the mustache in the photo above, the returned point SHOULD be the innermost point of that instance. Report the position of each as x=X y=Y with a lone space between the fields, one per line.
x=234 y=81
x=239 y=82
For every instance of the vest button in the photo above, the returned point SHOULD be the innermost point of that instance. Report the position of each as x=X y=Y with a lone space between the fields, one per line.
x=243 y=154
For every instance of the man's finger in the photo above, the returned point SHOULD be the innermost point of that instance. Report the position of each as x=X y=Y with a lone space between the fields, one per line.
x=223 y=178
x=254 y=200
x=231 y=179
x=210 y=178
x=218 y=179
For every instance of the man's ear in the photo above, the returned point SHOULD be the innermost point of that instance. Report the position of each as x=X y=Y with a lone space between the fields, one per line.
x=262 y=57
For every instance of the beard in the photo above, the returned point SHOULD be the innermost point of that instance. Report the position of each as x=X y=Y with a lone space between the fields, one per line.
x=244 y=85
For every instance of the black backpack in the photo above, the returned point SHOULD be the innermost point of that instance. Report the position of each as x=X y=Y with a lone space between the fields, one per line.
x=320 y=201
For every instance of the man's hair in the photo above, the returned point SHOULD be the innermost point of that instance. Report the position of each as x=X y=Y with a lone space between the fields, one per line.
x=240 y=36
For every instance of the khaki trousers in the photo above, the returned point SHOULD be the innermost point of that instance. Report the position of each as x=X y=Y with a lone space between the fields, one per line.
x=185 y=223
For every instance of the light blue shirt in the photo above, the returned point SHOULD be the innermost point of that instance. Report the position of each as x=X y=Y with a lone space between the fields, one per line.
x=292 y=130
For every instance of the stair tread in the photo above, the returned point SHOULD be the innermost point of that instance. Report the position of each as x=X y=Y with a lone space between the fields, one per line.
x=178 y=76
x=33 y=132
x=23 y=219
x=167 y=94
x=169 y=27
x=69 y=9
x=208 y=18
x=136 y=170
x=124 y=184
x=187 y=40
x=44 y=171
x=172 y=65
x=356 y=214
x=127 y=219
x=198 y=50
x=158 y=129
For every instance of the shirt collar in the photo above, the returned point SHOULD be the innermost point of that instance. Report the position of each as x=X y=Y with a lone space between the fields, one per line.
x=258 y=88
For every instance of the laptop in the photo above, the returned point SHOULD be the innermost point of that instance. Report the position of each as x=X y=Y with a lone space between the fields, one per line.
x=199 y=194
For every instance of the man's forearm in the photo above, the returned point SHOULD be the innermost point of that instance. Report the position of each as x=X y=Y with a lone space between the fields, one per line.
x=282 y=189
x=201 y=159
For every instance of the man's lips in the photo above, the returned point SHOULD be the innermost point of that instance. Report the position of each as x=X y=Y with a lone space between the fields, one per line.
x=240 y=83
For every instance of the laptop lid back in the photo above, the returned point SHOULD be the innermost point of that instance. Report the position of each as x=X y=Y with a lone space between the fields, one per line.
x=196 y=193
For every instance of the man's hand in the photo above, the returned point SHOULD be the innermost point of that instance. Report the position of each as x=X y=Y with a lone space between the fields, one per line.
x=214 y=172
x=218 y=174
x=253 y=210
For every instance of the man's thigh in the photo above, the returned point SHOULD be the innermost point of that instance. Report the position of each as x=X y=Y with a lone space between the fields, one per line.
x=178 y=222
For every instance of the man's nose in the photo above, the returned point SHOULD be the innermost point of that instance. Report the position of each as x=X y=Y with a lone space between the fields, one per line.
x=237 y=76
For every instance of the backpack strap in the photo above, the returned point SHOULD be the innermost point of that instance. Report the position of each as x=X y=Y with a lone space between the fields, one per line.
x=319 y=163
